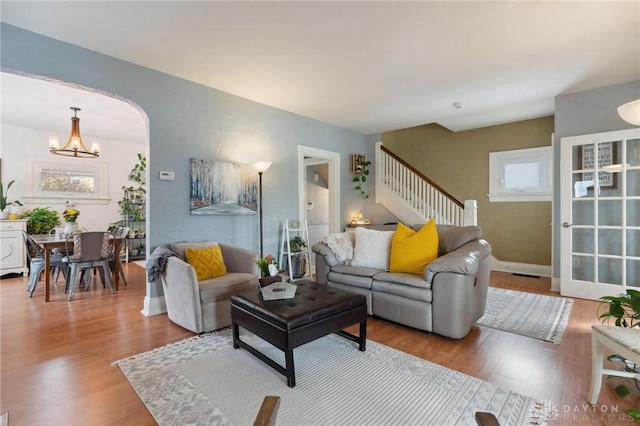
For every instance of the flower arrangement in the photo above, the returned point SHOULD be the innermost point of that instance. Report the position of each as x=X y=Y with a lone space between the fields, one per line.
x=70 y=215
x=263 y=265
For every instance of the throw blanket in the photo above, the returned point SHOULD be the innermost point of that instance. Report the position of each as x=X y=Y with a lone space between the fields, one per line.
x=341 y=244
x=157 y=262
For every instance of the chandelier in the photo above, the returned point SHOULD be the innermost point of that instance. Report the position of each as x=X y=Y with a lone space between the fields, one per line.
x=74 y=146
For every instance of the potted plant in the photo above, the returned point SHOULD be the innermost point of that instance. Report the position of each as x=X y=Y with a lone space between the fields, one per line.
x=362 y=171
x=41 y=220
x=624 y=310
x=132 y=202
x=4 y=212
x=298 y=260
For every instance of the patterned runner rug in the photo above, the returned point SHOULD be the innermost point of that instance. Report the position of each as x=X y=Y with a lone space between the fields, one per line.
x=532 y=315
x=204 y=381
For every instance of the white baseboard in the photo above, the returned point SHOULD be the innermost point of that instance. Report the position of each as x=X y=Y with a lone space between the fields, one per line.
x=154 y=306
x=521 y=268
x=555 y=284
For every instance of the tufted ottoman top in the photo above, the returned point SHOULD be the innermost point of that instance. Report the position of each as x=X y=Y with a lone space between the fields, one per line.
x=312 y=302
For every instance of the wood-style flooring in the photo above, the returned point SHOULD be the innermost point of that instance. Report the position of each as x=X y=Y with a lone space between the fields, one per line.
x=56 y=357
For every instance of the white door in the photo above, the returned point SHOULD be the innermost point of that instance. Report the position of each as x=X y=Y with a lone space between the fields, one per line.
x=600 y=214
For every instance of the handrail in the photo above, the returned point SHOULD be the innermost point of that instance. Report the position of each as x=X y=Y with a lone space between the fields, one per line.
x=422 y=176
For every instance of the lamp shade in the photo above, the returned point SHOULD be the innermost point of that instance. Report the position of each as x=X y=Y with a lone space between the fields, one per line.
x=630 y=112
x=261 y=166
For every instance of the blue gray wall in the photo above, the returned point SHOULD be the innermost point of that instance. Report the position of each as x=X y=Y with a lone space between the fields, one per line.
x=188 y=120
x=583 y=113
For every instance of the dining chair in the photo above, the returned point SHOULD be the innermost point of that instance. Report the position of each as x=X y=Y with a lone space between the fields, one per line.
x=90 y=250
x=116 y=258
x=35 y=255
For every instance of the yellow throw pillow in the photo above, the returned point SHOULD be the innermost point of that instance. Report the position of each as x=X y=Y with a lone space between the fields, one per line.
x=207 y=262
x=412 y=251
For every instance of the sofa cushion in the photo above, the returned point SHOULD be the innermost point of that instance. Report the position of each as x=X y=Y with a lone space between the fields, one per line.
x=350 y=280
x=412 y=251
x=402 y=278
x=372 y=248
x=222 y=288
x=402 y=290
x=207 y=261
x=179 y=248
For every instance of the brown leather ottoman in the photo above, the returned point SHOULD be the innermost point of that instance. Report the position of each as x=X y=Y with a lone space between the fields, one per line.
x=315 y=311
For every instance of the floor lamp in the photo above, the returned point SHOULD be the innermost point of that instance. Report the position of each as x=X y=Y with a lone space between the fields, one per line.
x=261 y=167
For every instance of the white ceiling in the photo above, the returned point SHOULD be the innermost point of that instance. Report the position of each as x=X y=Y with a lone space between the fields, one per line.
x=366 y=66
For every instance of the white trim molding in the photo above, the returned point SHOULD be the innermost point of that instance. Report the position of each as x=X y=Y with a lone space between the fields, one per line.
x=154 y=306
x=520 y=268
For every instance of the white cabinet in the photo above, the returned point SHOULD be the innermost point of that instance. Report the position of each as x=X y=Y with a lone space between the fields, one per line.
x=13 y=257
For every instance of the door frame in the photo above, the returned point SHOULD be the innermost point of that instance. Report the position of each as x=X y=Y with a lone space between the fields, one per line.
x=333 y=159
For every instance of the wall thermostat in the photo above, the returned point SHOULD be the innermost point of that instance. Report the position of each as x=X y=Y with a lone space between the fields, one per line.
x=164 y=175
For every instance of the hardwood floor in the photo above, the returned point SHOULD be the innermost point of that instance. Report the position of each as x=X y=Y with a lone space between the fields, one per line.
x=56 y=357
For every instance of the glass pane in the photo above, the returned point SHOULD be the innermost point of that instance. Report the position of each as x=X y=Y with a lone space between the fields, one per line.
x=633 y=243
x=633 y=152
x=583 y=240
x=582 y=188
x=609 y=153
x=610 y=241
x=633 y=183
x=610 y=213
x=610 y=185
x=609 y=270
x=582 y=157
x=60 y=180
x=633 y=273
x=582 y=268
x=582 y=212
x=633 y=212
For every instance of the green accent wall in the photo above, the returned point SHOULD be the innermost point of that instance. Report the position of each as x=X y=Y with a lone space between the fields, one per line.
x=459 y=163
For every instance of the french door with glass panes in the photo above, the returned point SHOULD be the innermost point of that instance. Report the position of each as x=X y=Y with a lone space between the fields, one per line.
x=600 y=214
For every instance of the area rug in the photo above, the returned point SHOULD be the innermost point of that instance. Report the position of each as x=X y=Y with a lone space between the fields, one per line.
x=528 y=314
x=204 y=381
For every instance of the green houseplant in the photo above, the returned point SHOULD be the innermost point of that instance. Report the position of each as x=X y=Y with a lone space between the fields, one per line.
x=360 y=179
x=624 y=311
x=4 y=197
x=298 y=260
x=41 y=220
x=131 y=204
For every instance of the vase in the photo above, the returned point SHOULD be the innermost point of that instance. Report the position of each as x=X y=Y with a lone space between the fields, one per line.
x=69 y=228
x=4 y=214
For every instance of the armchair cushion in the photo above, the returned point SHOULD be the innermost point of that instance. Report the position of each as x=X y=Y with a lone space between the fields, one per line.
x=207 y=262
x=225 y=286
x=180 y=248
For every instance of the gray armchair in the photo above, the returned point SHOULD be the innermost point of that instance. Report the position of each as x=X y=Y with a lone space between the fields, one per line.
x=205 y=305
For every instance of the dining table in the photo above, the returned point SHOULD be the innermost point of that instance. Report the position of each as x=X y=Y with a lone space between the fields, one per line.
x=48 y=242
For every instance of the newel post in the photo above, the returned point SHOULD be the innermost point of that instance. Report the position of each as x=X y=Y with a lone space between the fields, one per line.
x=470 y=212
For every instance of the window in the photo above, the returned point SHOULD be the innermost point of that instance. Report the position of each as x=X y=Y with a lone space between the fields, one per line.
x=521 y=175
x=66 y=179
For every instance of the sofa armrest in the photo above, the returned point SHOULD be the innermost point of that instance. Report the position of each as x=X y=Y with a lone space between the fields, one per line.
x=237 y=259
x=323 y=250
x=464 y=260
x=182 y=294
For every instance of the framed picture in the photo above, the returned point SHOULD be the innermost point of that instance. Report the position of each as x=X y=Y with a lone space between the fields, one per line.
x=219 y=188
x=605 y=157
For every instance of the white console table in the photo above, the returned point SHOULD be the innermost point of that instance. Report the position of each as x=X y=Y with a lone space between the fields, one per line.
x=13 y=256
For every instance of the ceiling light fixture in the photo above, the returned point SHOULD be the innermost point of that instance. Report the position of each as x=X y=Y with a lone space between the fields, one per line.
x=74 y=146
x=630 y=112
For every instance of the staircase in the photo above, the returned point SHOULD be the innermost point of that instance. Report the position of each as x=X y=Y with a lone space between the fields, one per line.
x=413 y=198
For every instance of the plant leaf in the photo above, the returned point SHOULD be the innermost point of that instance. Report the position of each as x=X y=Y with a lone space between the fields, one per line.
x=616 y=358
x=633 y=413
x=621 y=391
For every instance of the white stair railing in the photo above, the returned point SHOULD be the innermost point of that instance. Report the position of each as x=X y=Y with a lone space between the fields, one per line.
x=413 y=199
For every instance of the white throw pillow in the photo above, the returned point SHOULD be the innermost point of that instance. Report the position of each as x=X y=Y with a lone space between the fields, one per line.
x=372 y=248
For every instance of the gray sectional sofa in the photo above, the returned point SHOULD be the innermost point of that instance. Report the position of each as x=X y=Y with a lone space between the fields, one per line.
x=447 y=299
